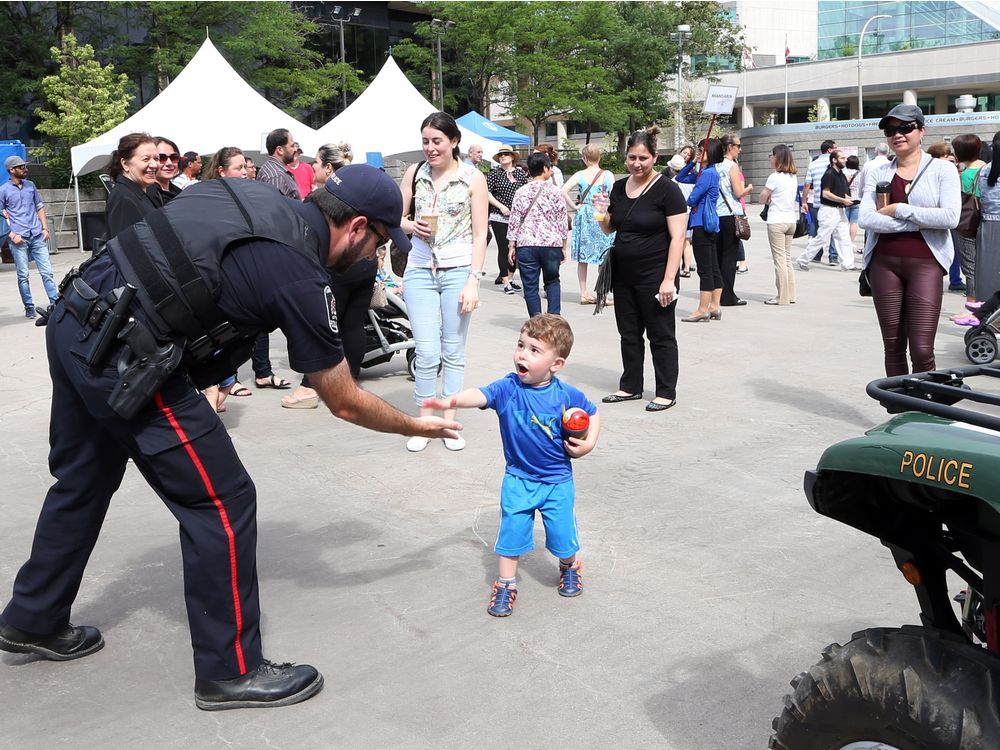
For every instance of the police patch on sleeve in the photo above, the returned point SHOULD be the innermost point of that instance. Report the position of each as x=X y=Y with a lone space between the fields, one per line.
x=331 y=309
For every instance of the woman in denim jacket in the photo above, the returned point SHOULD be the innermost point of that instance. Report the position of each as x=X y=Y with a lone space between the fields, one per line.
x=908 y=249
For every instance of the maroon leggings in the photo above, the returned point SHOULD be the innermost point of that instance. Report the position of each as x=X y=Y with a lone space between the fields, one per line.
x=907 y=294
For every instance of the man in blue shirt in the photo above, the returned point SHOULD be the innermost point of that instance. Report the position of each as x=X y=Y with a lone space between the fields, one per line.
x=29 y=231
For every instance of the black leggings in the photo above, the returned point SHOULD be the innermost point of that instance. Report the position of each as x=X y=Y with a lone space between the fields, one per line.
x=907 y=293
x=503 y=262
x=727 y=246
x=707 y=259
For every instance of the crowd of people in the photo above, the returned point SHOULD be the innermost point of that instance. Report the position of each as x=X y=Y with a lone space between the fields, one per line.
x=307 y=263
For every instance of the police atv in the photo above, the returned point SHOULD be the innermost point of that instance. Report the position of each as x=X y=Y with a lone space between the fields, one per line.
x=927 y=485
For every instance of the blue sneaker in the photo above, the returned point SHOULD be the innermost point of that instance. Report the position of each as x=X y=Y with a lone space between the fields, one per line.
x=570 y=580
x=502 y=600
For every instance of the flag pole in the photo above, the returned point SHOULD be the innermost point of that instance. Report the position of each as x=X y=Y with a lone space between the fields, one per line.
x=786 y=79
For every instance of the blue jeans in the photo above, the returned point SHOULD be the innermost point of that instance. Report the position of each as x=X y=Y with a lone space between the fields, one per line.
x=34 y=249
x=532 y=261
x=439 y=328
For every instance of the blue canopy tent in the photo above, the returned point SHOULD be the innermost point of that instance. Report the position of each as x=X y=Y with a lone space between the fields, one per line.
x=489 y=129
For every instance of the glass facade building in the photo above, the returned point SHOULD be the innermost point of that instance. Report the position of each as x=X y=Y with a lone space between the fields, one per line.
x=911 y=25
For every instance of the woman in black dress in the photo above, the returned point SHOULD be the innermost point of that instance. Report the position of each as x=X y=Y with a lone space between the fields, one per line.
x=650 y=216
x=133 y=167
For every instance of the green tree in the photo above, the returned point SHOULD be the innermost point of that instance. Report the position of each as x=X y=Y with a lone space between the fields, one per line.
x=475 y=52
x=26 y=33
x=83 y=98
x=266 y=42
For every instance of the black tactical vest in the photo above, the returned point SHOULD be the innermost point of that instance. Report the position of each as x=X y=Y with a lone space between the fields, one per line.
x=173 y=258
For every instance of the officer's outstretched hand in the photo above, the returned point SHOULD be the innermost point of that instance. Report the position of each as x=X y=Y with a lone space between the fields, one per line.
x=438 y=427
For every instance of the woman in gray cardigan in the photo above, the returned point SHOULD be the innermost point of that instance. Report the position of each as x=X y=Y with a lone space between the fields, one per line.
x=908 y=249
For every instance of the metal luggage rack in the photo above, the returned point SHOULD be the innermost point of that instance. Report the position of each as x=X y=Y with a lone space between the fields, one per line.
x=937 y=393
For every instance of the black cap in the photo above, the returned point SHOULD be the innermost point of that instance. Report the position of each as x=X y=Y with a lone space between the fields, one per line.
x=904 y=113
x=373 y=194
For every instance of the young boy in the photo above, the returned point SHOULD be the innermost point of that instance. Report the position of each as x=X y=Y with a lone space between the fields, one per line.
x=530 y=403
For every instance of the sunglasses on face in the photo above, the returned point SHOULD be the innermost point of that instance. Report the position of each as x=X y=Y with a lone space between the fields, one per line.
x=170 y=157
x=380 y=239
x=905 y=129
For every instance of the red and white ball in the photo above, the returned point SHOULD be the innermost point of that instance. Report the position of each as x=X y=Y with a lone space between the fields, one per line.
x=575 y=422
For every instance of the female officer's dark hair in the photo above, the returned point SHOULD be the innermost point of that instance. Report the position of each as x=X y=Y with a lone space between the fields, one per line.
x=446 y=124
x=126 y=149
x=537 y=162
x=715 y=152
x=645 y=138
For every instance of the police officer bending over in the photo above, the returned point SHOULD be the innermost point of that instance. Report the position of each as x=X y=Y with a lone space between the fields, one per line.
x=174 y=304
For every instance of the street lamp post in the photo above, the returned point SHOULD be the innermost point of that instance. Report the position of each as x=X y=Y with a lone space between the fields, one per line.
x=861 y=46
x=340 y=16
x=683 y=31
x=438 y=28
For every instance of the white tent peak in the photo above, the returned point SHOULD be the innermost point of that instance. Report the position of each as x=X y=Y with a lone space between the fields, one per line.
x=207 y=106
x=386 y=118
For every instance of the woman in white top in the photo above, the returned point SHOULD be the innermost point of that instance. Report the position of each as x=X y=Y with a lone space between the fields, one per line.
x=731 y=189
x=780 y=195
x=445 y=264
x=853 y=174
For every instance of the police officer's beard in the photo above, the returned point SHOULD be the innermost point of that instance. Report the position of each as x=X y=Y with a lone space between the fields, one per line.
x=351 y=255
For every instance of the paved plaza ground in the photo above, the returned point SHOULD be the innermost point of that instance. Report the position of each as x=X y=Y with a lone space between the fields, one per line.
x=709 y=580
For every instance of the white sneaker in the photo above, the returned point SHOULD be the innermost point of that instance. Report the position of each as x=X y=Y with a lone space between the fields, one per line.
x=454 y=444
x=416 y=444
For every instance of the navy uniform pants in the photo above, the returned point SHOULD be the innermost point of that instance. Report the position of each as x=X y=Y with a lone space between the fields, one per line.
x=185 y=454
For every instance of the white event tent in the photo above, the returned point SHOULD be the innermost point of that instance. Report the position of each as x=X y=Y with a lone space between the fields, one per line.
x=386 y=118
x=207 y=106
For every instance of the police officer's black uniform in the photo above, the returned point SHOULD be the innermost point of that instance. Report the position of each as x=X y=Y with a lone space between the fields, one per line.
x=176 y=440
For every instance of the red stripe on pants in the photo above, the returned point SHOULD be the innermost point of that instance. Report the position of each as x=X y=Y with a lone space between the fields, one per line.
x=223 y=516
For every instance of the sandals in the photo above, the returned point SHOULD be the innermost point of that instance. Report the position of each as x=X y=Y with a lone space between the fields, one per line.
x=294 y=402
x=685 y=274
x=241 y=391
x=273 y=381
x=588 y=299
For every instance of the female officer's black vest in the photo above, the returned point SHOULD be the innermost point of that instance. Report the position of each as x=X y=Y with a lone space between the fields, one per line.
x=173 y=258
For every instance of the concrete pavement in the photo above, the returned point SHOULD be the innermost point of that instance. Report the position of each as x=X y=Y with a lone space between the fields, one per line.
x=709 y=580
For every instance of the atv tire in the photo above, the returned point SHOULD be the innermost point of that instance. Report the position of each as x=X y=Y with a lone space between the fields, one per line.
x=911 y=688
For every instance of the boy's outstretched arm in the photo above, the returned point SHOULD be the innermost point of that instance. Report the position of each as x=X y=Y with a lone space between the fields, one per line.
x=470 y=398
x=577 y=447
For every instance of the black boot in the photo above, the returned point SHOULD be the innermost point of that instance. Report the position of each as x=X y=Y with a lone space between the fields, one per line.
x=68 y=644
x=268 y=685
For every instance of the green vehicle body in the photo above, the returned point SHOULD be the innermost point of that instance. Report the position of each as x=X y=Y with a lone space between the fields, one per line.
x=929 y=450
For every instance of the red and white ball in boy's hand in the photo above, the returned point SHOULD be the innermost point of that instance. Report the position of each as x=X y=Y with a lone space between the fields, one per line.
x=576 y=423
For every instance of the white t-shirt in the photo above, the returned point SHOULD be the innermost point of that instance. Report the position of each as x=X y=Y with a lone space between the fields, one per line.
x=783 y=207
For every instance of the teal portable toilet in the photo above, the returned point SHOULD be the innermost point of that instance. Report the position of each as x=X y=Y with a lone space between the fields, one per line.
x=10 y=148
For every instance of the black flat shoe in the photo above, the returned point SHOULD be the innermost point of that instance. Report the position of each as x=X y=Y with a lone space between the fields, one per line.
x=614 y=398
x=267 y=686
x=737 y=303
x=71 y=643
x=656 y=406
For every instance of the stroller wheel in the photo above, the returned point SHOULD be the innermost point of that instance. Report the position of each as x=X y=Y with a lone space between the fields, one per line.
x=411 y=363
x=981 y=349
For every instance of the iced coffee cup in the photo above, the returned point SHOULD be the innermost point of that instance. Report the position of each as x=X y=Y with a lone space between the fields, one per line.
x=432 y=221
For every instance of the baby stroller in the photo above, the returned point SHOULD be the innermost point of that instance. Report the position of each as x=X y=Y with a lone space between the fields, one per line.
x=981 y=340
x=388 y=331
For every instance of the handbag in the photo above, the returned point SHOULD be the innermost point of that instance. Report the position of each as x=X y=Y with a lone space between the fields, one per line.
x=742 y=225
x=763 y=214
x=398 y=256
x=802 y=223
x=971 y=215
x=605 y=272
x=864 y=284
x=709 y=217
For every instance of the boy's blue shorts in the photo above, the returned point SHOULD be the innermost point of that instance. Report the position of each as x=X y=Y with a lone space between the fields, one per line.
x=519 y=499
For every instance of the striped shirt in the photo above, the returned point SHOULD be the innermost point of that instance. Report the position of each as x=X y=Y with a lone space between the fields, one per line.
x=814 y=175
x=273 y=172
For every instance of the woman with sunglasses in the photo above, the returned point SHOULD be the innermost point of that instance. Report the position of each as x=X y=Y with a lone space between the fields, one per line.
x=133 y=167
x=163 y=190
x=908 y=249
x=731 y=191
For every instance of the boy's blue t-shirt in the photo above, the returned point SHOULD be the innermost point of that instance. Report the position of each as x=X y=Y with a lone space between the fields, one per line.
x=531 y=425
